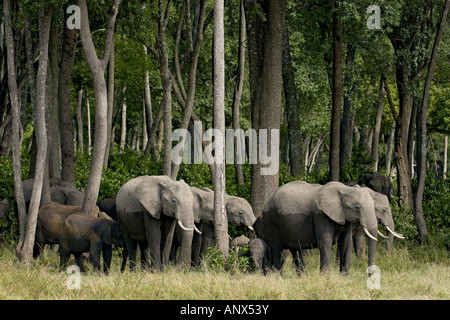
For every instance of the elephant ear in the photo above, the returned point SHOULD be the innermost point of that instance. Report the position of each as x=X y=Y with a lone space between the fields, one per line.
x=329 y=201
x=103 y=230
x=148 y=193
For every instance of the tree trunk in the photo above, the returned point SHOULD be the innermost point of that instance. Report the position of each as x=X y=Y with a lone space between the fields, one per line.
x=15 y=110
x=445 y=156
x=348 y=116
x=24 y=249
x=422 y=139
x=123 y=127
x=292 y=115
x=147 y=108
x=65 y=105
x=79 y=117
x=265 y=21
x=52 y=112
x=97 y=68
x=377 y=127
x=335 y=129
x=238 y=92
x=220 y=215
x=390 y=147
x=111 y=77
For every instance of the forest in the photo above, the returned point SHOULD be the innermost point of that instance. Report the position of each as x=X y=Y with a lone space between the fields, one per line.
x=97 y=93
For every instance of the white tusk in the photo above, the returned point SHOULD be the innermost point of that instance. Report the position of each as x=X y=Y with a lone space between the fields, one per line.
x=196 y=230
x=398 y=235
x=251 y=228
x=183 y=227
x=382 y=235
x=369 y=235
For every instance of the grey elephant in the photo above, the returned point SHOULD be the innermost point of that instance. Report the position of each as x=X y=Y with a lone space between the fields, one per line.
x=51 y=217
x=384 y=217
x=303 y=216
x=239 y=213
x=259 y=252
x=62 y=192
x=379 y=183
x=82 y=233
x=148 y=208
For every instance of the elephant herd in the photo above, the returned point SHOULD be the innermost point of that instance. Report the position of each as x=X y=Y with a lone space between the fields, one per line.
x=170 y=221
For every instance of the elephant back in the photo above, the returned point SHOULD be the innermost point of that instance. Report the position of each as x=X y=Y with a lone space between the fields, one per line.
x=126 y=200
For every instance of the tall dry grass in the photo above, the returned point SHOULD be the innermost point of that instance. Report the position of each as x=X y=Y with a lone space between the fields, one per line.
x=418 y=273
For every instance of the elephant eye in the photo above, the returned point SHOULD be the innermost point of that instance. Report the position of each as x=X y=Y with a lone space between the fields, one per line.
x=357 y=207
x=174 y=200
x=240 y=212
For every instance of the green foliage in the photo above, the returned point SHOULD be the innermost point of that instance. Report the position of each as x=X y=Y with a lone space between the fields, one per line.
x=214 y=261
x=359 y=164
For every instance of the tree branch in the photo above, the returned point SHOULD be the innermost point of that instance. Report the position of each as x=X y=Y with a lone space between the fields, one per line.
x=391 y=103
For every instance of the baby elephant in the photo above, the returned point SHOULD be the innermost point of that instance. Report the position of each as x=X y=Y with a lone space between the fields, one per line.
x=260 y=254
x=82 y=233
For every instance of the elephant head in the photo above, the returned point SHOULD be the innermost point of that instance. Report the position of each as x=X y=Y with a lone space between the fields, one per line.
x=239 y=212
x=342 y=203
x=384 y=217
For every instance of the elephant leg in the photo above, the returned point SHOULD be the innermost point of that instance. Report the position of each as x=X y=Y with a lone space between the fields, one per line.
x=196 y=246
x=94 y=255
x=107 y=255
x=145 y=256
x=276 y=257
x=359 y=241
x=297 y=259
x=153 y=235
x=63 y=259
x=345 y=249
x=207 y=239
x=325 y=244
x=79 y=260
x=124 y=259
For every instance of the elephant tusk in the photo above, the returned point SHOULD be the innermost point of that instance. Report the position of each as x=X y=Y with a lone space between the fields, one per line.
x=196 y=230
x=382 y=235
x=251 y=228
x=183 y=227
x=398 y=235
x=369 y=235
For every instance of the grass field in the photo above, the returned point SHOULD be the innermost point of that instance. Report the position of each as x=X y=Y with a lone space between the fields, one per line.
x=415 y=273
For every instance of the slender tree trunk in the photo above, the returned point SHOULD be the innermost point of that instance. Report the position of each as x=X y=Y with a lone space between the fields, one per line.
x=422 y=140
x=24 y=249
x=79 y=116
x=377 y=127
x=238 y=92
x=97 y=67
x=445 y=156
x=65 y=105
x=88 y=113
x=111 y=77
x=147 y=108
x=220 y=215
x=335 y=129
x=123 y=132
x=15 y=110
x=390 y=147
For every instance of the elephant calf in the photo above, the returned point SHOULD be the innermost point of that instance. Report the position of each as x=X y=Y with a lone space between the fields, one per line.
x=82 y=233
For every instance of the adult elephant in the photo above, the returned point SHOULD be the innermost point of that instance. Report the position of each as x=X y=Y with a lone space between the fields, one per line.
x=148 y=208
x=108 y=206
x=239 y=213
x=303 y=216
x=379 y=183
x=384 y=218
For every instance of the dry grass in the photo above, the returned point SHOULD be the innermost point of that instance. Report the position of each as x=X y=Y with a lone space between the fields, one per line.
x=404 y=275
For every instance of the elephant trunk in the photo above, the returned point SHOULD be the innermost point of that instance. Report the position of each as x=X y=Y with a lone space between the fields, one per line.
x=184 y=259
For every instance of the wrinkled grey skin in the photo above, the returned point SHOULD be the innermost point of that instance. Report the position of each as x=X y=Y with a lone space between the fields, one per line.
x=82 y=233
x=148 y=209
x=239 y=213
x=379 y=183
x=5 y=208
x=301 y=215
x=51 y=217
x=62 y=192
